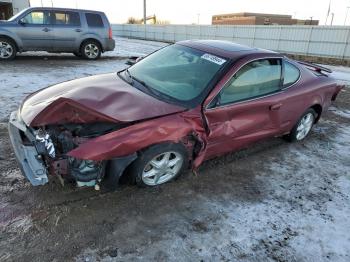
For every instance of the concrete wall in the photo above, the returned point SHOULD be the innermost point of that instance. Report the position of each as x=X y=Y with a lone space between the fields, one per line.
x=316 y=41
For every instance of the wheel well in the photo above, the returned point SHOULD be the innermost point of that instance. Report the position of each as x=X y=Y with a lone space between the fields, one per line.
x=10 y=38
x=318 y=110
x=90 y=39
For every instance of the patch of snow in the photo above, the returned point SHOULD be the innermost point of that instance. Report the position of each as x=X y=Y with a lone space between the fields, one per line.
x=340 y=73
x=340 y=112
x=300 y=218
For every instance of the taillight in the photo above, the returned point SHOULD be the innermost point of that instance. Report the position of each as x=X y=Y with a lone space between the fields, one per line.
x=110 y=33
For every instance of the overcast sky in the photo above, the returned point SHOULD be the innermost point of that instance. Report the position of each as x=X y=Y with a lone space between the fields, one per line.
x=186 y=11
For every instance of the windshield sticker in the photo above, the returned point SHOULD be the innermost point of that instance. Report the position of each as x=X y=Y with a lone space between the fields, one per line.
x=213 y=59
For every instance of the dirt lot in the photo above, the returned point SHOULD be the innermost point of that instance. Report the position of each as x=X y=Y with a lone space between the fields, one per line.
x=272 y=202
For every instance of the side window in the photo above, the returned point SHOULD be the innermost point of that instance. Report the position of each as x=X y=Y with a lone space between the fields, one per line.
x=36 y=18
x=94 y=20
x=255 y=79
x=66 y=18
x=291 y=74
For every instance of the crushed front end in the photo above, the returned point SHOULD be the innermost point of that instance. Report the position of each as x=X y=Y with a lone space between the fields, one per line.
x=23 y=142
x=42 y=151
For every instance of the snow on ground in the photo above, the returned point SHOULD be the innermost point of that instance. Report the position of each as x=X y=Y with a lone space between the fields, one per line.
x=302 y=216
x=341 y=73
x=340 y=112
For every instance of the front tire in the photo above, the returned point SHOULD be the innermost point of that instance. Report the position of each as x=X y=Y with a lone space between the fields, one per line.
x=303 y=127
x=159 y=164
x=8 y=49
x=91 y=50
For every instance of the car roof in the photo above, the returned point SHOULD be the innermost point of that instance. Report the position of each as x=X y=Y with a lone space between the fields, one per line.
x=226 y=49
x=64 y=9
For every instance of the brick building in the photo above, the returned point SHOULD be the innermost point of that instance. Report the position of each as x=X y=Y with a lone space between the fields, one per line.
x=259 y=19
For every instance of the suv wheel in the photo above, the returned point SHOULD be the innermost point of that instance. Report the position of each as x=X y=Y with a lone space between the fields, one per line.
x=8 y=49
x=91 y=50
x=159 y=164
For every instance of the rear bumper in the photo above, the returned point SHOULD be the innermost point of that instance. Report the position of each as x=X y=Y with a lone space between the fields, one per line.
x=27 y=156
x=109 y=45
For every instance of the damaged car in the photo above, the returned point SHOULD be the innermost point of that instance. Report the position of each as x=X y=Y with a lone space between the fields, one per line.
x=172 y=110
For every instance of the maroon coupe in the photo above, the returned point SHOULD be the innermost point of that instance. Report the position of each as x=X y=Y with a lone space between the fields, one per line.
x=184 y=104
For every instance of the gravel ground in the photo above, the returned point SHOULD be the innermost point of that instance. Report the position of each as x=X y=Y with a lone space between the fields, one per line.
x=275 y=201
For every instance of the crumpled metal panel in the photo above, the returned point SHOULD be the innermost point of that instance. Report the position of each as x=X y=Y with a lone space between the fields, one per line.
x=131 y=139
x=102 y=97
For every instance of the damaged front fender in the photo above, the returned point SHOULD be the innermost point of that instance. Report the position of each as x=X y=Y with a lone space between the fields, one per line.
x=126 y=141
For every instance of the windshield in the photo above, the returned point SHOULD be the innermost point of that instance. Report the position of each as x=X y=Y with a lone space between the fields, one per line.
x=176 y=71
x=13 y=18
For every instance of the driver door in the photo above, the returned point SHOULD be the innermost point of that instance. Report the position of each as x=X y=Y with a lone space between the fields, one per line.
x=36 y=31
x=247 y=107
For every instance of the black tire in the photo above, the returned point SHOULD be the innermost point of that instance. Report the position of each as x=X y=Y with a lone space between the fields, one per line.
x=9 y=42
x=142 y=162
x=293 y=135
x=94 y=46
x=78 y=54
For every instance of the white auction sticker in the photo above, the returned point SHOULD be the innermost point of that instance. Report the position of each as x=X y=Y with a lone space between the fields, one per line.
x=213 y=58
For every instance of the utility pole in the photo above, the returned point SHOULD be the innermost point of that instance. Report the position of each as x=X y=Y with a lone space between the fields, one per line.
x=346 y=16
x=198 y=16
x=144 y=11
x=332 y=18
x=42 y=3
x=311 y=20
x=329 y=10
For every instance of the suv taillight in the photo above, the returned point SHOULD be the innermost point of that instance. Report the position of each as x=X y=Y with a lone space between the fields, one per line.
x=110 y=33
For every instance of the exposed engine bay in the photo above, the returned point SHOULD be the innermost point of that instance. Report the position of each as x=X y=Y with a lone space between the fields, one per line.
x=54 y=142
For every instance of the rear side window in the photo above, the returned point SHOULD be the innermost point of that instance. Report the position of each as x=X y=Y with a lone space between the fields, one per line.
x=255 y=79
x=94 y=20
x=66 y=18
x=291 y=74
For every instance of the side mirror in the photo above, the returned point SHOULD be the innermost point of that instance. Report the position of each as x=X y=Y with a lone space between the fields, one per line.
x=22 y=21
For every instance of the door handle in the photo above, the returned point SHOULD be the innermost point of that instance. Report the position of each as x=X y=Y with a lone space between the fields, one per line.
x=78 y=30
x=275 y=107
x=46 y=29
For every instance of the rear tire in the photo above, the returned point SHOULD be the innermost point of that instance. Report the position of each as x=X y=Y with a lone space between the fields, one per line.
x=8 y=49
x=91 y=50
x=303 y=127
x=159 y=164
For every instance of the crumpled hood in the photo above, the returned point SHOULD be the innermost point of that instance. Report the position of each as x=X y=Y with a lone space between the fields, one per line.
x=92 y=99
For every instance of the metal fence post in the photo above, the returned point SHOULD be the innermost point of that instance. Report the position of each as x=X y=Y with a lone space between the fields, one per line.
x=346 y=44
x=308 y=44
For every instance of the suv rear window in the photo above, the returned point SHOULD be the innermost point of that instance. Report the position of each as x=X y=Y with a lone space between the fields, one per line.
x=94 y=20
x=66 y=18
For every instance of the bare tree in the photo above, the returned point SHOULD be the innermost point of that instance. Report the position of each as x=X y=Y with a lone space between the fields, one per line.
x=133 y=20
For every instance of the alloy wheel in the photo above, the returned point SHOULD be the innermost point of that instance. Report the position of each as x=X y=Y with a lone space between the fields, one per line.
x=91 y=51
x=6 y=50
x=162 y=168
x=305 y=126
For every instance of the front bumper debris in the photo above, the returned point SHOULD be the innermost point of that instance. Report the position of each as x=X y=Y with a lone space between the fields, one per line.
x=27 y=156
